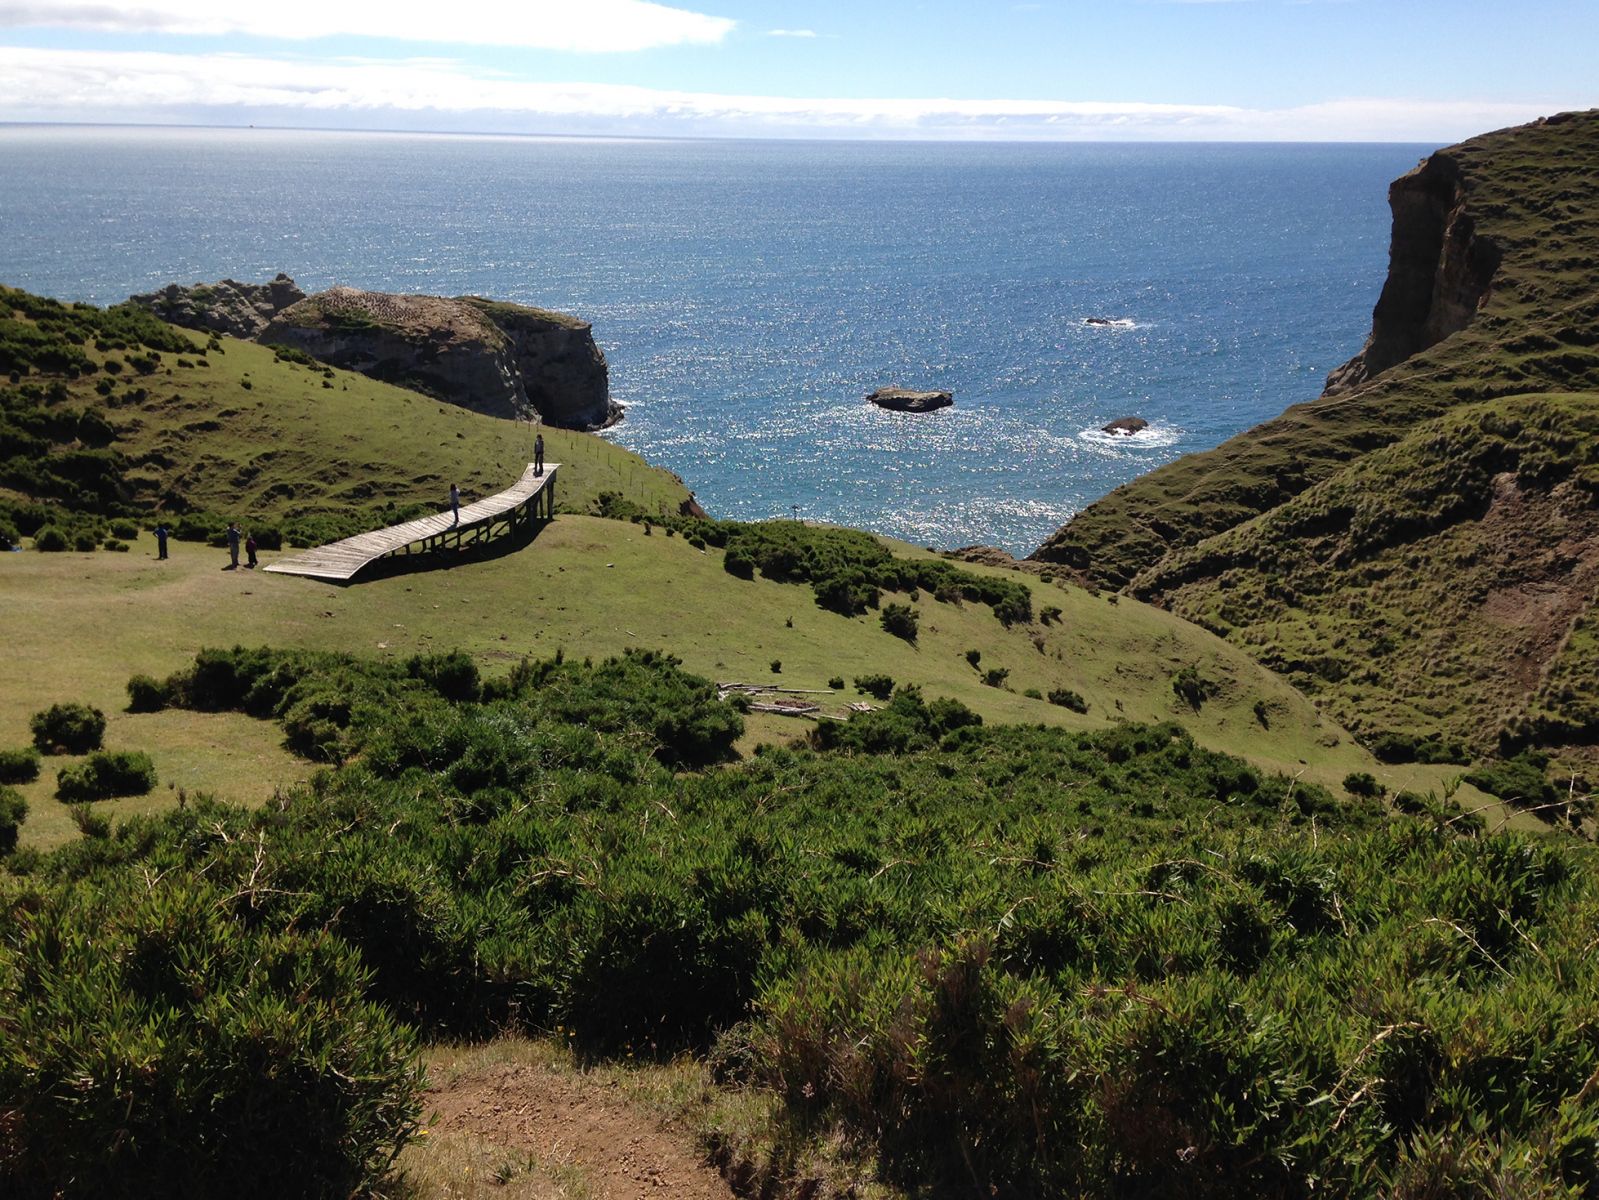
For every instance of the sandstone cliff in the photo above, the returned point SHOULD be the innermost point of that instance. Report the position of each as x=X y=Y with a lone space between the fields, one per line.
x=506 y=360
x=1439 y=271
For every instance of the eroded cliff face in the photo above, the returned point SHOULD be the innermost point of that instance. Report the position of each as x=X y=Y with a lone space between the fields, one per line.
x=506 y=360
x=1440 y=271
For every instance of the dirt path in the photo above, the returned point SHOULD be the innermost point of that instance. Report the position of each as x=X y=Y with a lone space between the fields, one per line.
x=571 y=1136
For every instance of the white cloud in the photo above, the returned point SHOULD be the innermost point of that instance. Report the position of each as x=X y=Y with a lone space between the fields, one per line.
x=430 y=94
x=792 y=33
x=572 y=25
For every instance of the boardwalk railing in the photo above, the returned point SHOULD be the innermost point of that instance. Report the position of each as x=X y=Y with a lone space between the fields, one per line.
x=532 y=496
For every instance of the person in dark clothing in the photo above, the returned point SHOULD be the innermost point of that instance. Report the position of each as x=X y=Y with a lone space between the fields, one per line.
x=455 y=503
x=161 y=535
x=538 y=454
x=233 y=544
x=249 y=549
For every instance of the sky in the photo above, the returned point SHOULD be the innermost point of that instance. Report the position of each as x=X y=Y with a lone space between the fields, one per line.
x=1151 y=70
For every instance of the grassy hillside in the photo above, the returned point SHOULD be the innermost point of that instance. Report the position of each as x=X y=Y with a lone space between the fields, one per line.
x=1431 y=587
x=1530 y=192
x=113 y=412
x=79 y=625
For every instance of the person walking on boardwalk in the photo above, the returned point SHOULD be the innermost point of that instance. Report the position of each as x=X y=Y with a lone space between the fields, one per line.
x=233 y=544
x=161 y=535
x=455 y=503
x=538 y=454
x=249 y=549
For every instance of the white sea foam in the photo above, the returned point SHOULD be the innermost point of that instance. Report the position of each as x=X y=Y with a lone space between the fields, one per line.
x=1151 y=437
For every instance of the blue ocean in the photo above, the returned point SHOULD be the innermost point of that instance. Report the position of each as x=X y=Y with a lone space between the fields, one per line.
x=749 y=294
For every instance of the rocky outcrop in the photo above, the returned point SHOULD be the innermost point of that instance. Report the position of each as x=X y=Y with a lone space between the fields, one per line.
x=506 y=360
x=240 y=310
x=1126 y=426
x=905 y=400
x=1439 y=271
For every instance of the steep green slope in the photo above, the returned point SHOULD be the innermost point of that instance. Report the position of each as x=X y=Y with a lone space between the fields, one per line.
x=113 y=412
x=1429 y=587
x=1495 y=242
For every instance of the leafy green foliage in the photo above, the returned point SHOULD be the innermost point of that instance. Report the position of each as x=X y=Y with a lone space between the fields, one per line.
x=878 y=686
x=104 y=775
x=1067 y=698
x=1020 y=959
x=848 y=570
x=13 y=812
x=19 y=766
x=1362 y=783
x=67 y=729
x=899 y=620
x=1522 y=780
x=155 y=1040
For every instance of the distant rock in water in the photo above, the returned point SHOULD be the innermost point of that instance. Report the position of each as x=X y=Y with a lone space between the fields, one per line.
x=493 y=357
x=1126 y=426
x=1098 y=321
x=240 y=310
x=906 y=400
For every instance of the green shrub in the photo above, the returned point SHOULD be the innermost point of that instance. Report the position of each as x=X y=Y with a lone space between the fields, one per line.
x=1363 y=783
x=777 y=666
x=1050 y=614
x=995 y=677
x=85 y=542
x=1521 y=780
x=454 y=675
x=899 y=620
x=1033 y=693
x=13 y=812
x=67 y=729
x=1067 y=698
x=9 y=537
x=19 y=766
x=105 y=775
x=878 y=686
x=162 y=1048
x=117 y=547
x=126 y=530
x=50 y=539
x=836 y=683
x=975 y=658
x=1407 y=747
x=147 y=695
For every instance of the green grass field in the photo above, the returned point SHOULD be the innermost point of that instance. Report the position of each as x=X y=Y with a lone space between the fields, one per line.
x=79 y=625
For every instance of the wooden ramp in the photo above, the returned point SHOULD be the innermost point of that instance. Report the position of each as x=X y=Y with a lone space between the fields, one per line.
x=532 y=496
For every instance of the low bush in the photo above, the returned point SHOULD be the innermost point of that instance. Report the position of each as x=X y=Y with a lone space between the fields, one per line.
x=161 y=1047
x=147 y=695
x=117 y=547
x=1067 y=698
x=1363 y=783
x=105 y=775
x=84 y=542
x=1408 y=748
x=1521 y=780
x=899 y=620
x=878 y=686
x=67 y=729
x=995 y=677
x=51 y=540
x=19 y=766
x=126 y=530
x=13 y=812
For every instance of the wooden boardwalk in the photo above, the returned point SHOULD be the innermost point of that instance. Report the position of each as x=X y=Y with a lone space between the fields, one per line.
x=532 y=496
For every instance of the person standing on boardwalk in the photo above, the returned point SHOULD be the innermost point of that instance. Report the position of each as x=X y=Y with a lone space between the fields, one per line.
x=249 y=549
x=455 y=503
x=538 y=454
x=233 y=544
x=161 y=535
